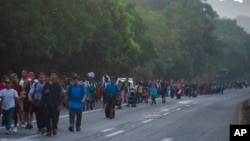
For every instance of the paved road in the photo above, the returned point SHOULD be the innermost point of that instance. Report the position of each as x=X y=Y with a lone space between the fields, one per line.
x=205 y=118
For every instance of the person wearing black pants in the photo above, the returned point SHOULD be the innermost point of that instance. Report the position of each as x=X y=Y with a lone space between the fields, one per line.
x=53 y=103
x=72 y=114
x=40 y=116
x=112 y=92
x=35 y=97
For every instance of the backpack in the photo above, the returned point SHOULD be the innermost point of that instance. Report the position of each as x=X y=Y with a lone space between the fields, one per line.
x=139 y=90
x=91 y=88
x=37 y=102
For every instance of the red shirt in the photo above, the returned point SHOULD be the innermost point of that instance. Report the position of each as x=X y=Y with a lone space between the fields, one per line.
x=18 y=88
x=2 y=86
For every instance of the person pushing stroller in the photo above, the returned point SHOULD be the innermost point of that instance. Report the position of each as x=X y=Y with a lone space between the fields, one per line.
x=132 y=97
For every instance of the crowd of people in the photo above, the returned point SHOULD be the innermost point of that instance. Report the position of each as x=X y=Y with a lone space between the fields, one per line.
x=21 y=97
x=43 y=96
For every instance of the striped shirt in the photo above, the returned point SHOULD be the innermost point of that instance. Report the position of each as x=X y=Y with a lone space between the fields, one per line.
x=54 y=97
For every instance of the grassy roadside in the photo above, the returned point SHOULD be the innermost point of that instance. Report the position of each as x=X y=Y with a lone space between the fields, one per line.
x=244 y=112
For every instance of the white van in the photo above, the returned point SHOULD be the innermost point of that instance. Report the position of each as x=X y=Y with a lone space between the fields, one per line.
x=123 y=79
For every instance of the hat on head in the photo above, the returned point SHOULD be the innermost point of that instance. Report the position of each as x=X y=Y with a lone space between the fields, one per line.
x=7 y=81
x=31 y=74
x=13 y=75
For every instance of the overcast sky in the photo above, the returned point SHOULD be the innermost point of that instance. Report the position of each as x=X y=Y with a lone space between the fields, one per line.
x=231 y=8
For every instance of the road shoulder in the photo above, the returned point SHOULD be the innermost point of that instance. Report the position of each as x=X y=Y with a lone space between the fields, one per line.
x=244 y=112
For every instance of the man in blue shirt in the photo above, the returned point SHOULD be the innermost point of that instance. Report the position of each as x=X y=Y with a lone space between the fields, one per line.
x=112 y=92
x=77 y=96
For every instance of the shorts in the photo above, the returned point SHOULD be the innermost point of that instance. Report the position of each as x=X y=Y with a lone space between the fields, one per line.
x=27 y=107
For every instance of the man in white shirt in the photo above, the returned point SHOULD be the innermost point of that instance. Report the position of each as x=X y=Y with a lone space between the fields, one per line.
x=9 y=97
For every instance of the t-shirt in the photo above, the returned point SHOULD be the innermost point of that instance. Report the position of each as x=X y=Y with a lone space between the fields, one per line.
x=36 y=90
x=8 y=98
x=112 y=89
x=76 y=93
x=153 y=86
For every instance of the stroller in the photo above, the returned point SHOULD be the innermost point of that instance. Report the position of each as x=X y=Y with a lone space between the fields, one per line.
x=132 y=97
x=145 y=95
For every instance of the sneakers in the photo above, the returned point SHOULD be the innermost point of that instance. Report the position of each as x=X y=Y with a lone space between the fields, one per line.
x=7 y=132
x=71 y=129
x=22 y=124
x=43 y=130
x=48 y=134
x=14 y=129
x=78 y=129
x=29 y=126
x=54 y=131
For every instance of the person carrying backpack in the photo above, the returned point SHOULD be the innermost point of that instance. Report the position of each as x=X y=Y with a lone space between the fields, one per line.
x=139 y=92
x=77 y=95
x=90 y=96
x=112 y=93
x=37 y=100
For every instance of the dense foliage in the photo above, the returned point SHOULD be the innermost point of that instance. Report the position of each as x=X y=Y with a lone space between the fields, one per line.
x=179 y=39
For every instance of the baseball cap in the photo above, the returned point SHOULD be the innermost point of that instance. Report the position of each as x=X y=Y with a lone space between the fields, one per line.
x=7 y=81
x=13 y=75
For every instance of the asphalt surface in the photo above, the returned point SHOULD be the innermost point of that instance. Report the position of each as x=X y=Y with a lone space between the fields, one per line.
x=205 y=118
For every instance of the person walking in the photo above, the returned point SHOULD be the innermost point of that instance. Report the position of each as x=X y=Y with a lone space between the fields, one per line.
x=53 y=103
x=112 y=92
x=77 y=94
x=90 y=95
x=18 y=112
x=23 y=82
x=27 y=106
x=36 y=98
x=153 y=91
x=2 y=86
x=9 y=97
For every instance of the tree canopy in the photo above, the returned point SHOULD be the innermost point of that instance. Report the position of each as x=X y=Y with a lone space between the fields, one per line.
x=179 y=39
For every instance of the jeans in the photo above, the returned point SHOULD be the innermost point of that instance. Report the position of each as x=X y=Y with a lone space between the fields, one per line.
x=72 y=114
x=7 y=114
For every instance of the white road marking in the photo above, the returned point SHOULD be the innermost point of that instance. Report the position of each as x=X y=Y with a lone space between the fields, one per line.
x=107 y=130
x=115 y=133
x=64 y=116
x=167 y=139
x=178 y=109
x=165 y=110
x=165 y=114
x=27 y=138
x=146 y=121
x=185 y=102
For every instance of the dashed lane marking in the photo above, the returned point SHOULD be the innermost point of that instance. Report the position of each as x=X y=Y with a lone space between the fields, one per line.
x=165 y=114
x=178 y=109
x=167 y=139
x=107 y=130
x=146 y=121
x=115 y=133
